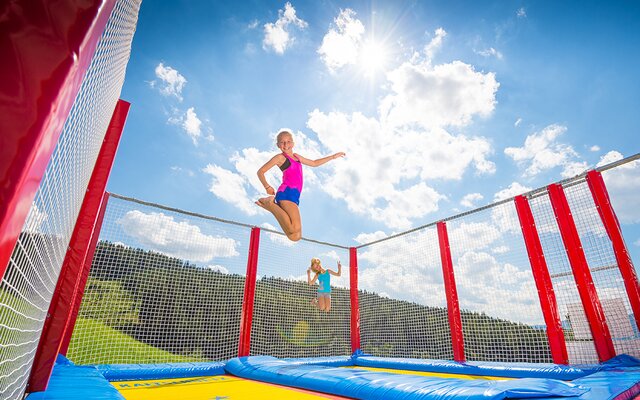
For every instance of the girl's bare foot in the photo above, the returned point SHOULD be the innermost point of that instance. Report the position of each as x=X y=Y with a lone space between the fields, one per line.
x=265 y=202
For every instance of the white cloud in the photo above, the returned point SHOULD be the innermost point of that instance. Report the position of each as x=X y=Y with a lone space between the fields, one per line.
x=637 y=243
x=218 y=268
x=502 y=290
x=230 y=187
x=435 y=44
x=276 y=35
x=392 y=157
x=594 y=148
x=542 y=151
x=490 y=52
x=365 y=238
x=521 y=13
x=190 y=124
x=171 y=80
x=500 y=249
x=178 y=169
x=438 y=96
x=469 y=200
x=518 y=122
x=573 y=168
x=611 y=156
x=162 y=233
x=340 y=45
x=513 y=190
x=253 y=24
x=275 y=237
x=35 y=219
x=622 y=184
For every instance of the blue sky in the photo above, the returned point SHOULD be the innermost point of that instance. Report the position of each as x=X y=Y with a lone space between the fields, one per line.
x=440 y=106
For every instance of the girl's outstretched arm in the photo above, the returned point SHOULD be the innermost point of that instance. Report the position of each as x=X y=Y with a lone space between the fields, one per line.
x=319 y=161
x=339 y=270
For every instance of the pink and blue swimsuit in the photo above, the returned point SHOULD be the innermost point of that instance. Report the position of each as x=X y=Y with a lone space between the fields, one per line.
x=291 y=186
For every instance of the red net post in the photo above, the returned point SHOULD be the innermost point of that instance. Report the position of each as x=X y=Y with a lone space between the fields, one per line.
x=453 y=306
x=249 y=293
x=353 y=291
x=84 y=276
x=542 y=278
x=36 y=94
x=584 y=281
x=612 y=226
x=71 y=273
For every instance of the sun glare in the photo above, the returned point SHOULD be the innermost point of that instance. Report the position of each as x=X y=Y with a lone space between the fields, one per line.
x=373 y=58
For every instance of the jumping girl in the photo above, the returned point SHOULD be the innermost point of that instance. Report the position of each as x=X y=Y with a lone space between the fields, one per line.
x=283 y=204
x=323 y=276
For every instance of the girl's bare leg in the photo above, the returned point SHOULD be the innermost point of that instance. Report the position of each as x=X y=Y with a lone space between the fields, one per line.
x=287 y=214
x=327 y=304
x=293 y=212
x=322 y=303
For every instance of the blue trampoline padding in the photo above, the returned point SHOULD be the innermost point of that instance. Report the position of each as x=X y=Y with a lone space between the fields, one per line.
x=507 y=370
x=364 y=384
x=331 y=361
x=131 y=372
x=71 y=382
x=613 y=384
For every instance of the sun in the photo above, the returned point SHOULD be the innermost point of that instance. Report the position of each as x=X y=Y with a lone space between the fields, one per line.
x=373 y=57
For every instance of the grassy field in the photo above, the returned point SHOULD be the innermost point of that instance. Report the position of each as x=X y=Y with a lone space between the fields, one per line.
x=97 y=340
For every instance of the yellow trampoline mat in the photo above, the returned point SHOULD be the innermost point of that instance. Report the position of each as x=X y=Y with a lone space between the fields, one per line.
x=433 y=374
x=220 y=387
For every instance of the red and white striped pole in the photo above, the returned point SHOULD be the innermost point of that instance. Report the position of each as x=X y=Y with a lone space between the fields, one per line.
x=69 y=280
x=542 y=278
x=612 y=226
x=244 y=346
x=453 y=306
x=353 y=292
x=584 y=281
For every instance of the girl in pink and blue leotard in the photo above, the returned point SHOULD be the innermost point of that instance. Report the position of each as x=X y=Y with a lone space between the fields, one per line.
x=283 y=204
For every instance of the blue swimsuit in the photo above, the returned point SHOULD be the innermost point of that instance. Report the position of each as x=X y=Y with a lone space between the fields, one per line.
x=324 y=282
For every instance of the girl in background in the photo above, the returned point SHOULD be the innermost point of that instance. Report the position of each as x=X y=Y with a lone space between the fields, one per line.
x=323 y=276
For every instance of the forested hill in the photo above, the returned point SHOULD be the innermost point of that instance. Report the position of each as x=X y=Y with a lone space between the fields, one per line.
x=188 y=310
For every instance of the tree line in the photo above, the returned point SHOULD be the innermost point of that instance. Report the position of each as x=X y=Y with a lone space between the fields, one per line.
x=188 y=310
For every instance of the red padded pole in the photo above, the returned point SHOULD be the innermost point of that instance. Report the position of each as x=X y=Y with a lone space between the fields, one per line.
x=86 y=267
x=581 y=273
x=612 y=226
x=36 y=94
x=353 y=292
x=542 y=278
x=70 y=275
x=453 y=306
x=246 y=318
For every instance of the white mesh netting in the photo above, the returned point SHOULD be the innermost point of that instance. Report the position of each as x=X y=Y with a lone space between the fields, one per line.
x=28 y=284
x=164 y=286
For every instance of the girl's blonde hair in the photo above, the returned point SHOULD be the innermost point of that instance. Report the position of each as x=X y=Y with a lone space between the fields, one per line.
x=282 y=133
x=315 y=260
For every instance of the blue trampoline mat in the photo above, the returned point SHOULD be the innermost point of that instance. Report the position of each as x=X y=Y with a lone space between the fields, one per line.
x=617 y=379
